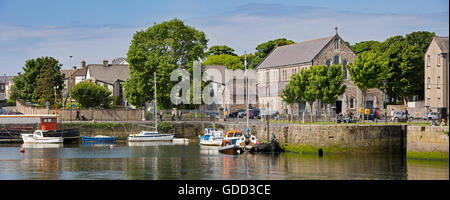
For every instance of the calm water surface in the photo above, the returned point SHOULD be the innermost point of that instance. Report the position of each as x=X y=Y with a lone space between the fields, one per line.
x=167 y=161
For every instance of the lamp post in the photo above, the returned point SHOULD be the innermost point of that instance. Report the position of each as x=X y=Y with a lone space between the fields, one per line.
x=385 y=102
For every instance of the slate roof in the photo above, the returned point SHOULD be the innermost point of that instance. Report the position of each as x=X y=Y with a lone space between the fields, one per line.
x=301 y=52
x=442 y=42
x=119 y=60
x=109 y=74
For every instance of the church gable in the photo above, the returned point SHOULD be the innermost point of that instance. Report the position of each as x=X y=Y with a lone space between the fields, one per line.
x=335 y=52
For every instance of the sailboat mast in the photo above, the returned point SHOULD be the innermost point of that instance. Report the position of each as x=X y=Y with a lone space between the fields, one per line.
x=156 y=104
x=246 y=88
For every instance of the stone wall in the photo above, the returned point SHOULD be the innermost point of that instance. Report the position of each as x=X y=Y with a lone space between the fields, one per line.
x=428 y=139
x=332 y=138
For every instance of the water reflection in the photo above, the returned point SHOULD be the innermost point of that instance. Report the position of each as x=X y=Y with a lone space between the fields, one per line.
x=167 y=161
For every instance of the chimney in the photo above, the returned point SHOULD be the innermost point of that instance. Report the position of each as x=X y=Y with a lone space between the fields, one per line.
x=105 y=63
x=83 y=64
x=74 y=68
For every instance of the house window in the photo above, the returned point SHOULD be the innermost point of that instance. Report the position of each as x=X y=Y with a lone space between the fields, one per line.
x=275 y=75
x=336 y=43
x=428 y=82
x=294 y=71
x=439 y=60
x=352 y=103
x=336 y=59
x=439 y=82
x=344 y=69
x=428 y=60
x=267 y=76
x=284 y=75
x=328 y=63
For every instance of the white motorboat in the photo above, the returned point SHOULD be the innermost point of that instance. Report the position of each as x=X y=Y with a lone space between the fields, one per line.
x=146 y=136
x=213 y=138
x=38 y=137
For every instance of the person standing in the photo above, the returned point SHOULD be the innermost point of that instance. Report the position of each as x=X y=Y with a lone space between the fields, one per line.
x=160 y=115
x=78 y=115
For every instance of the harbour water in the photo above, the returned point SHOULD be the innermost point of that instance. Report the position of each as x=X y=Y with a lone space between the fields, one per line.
x=168 y=161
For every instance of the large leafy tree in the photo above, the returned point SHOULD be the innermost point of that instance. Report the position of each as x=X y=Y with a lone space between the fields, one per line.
x=364 y=46
x=39 y=77
x=218 y=50
x=368 y=72
x=252 y=60
x=330 y=82
x=420 y=39
x=262 y=50
x=232 y=62
x=161 y=48
x=90 y=95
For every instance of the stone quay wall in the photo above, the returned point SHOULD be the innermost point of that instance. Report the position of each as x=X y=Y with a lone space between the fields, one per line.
x=428 y=141
x=334 y=138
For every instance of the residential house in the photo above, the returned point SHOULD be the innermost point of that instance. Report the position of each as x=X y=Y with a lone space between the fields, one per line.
x=5 y=86
x=436 y=75
x=275 y=71
x=73 y=76
x=111 y=75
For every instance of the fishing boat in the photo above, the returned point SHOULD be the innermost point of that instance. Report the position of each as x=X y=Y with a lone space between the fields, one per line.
x=230 y=137
x=99 y=138
x=206 y=133
x=271 y=147
x=38 y=137
x=148 y=136
x=212 y=138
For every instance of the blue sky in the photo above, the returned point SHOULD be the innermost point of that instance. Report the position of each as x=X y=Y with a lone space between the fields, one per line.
x=100 y=29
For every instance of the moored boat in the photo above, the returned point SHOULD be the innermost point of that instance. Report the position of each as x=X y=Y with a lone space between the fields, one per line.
x=212 y=138
x=144 y=136
x=99 y=138
x=38 y=137
x=231 y=149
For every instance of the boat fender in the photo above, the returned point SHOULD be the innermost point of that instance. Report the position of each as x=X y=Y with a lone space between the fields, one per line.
x=111 y=146
x=22 y=150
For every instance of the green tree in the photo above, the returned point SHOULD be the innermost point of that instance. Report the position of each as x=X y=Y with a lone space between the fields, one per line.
x=252 y=60
x=420 y=39
x=232 y=62
x=265 y=48
x=367 y=72
x=292 y=93
x=36 y=78
x=218 y=50
x=91 y=95
x=364 y=46
x=330 y=82
x=161 y=48
x=405 y=62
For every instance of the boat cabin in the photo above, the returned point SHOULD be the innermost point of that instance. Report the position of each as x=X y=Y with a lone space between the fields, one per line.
x=233 y=134
x=49 y=123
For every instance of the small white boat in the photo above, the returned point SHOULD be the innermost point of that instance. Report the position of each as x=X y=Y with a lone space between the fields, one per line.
x=212 y=137
x=38 y=137
x=146 y=136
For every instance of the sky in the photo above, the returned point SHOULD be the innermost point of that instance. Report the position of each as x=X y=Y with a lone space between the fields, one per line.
x=102 y=29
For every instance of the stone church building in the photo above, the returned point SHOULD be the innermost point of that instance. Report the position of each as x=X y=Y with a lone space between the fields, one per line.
x=284 y=61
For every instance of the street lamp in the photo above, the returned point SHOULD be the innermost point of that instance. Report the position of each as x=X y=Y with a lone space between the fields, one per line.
x=385 y=102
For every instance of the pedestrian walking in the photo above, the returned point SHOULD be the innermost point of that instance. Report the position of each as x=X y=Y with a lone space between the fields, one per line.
x=173 y=114
x=78 y=115
x=160 y=115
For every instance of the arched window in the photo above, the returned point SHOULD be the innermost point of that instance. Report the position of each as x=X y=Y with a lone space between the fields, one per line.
x=328 y=63
x=344 y=69
x=336 y=43
x=336 y=59
x=352 y=103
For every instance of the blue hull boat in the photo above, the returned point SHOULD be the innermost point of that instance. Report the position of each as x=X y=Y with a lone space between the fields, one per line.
x=98 y=139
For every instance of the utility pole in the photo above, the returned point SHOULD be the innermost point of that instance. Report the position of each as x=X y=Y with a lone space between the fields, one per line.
x=69 y=88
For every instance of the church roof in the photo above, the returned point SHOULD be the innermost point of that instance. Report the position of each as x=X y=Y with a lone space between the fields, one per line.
x=297 y=53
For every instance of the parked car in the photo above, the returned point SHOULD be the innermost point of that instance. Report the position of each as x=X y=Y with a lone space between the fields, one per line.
x=255 y=114
x=3 y=112
x=270 y=113
x=401 y=116
x=242 y=114
x=431 y=116
x=235 y=113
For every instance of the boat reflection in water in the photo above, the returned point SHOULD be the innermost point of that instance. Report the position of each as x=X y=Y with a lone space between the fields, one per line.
x=42 y=145
x=97 y=144
x=149 y=144
x=209 y=150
